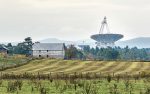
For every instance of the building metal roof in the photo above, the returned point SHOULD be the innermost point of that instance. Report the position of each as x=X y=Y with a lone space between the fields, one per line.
x=48 y=46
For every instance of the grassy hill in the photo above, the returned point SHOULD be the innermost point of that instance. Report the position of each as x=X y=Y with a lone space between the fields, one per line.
x=46 y=66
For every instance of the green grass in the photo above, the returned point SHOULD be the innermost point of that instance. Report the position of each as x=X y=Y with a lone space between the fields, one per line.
x=12 y=61
x=82 y=87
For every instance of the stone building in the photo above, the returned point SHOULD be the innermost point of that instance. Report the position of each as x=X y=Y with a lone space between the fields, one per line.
x=48 y=50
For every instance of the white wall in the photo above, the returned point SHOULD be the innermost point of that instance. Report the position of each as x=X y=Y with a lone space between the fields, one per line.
x=51 y=54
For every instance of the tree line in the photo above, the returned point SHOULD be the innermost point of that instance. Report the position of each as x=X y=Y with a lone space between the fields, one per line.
x=88 y=53
x=109 y=53
x=24 y=47
x=118 y=53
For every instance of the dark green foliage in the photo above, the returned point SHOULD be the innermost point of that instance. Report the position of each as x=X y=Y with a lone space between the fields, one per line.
x=109 y=78
x=24 y=47
x=117 y=53
x=73 y=53
x=21 y=48
x=10 y=48
x=147 y=91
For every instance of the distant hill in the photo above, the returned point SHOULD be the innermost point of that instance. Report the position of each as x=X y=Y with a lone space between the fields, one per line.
x=51 y=40
x=140 y=42
x=79 y=42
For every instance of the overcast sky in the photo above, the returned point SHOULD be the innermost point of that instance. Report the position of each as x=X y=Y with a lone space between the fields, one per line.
x=72 y=19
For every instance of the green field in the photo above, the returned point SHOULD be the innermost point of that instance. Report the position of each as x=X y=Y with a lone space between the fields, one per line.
x=75 y=87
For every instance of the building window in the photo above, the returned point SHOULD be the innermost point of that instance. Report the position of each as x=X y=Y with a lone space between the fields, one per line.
x=47 y=56
x=39 y=55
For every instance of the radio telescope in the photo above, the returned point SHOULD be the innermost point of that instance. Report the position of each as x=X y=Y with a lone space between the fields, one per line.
x=104 y=40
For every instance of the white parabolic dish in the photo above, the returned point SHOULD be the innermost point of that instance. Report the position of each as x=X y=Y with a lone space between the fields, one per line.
x=106 y=38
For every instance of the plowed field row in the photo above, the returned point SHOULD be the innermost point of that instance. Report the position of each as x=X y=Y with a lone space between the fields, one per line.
x=70 y=66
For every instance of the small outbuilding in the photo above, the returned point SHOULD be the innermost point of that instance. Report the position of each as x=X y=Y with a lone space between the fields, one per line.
x=3 y=50
x=48 y=50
